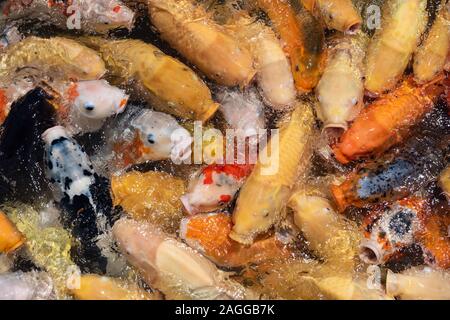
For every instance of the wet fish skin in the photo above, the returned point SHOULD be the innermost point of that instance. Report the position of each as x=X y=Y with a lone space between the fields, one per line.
x=167 y=84
x=340 y=90
x=82 y=194
x=214 y=187
x=63 y=58
x=390 y=229
x=21 y=150
x=430 y=57
x=188 y=28
x=172 y=267
x=143 y=135
x=419 y=283
x=394 y=43
x=418 y=163
x=265 y=193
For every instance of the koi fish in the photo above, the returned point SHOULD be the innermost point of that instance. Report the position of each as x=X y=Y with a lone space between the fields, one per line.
x=167 y=84
x=387 y=121
x=151 y=196
x=214 y=187
x=415 y=165
x=188 y=29
x=83 y=196
x=340 y=90
x=340 y=15
x=389 y=230
x=419 y=283
x=10 y=237
x=145 y=135
x=209 y=234
x=95 y=287
x=269 y=186
x=172 y=267
x=394 y=43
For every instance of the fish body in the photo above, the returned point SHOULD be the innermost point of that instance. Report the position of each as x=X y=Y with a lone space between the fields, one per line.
x=303 y=40
x=274 y=75
x=172 y=267
x=188 y=29
x=166 y=83
x=269 y=186
x=340 y=90
x=64 y=58
x=419 y=283
x=26 y=286
x=209 y=234
x=81 y=194
x=390 y=230
x=214 y=187
x=10 y=237
x=392 y=46
x=418 y=163
x=95 y=287
x=22 y=174
x=145 y=135
x=330 y=235
x=340 y=15
x=92 y=16
x=151 y=197
x=387 y=121
x=431 y=56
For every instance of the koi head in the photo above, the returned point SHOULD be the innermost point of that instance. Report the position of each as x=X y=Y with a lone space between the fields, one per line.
x=340 y=101
x=213 y=188
x=106 y=15
x=96 y=99
x=388 y=231
x=162 y=137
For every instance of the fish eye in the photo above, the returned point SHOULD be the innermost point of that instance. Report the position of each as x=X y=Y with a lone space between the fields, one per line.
x=89 y=106
x=354 y=101
x=151 y=138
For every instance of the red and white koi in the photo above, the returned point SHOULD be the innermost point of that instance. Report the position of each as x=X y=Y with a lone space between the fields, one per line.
x=214 y=187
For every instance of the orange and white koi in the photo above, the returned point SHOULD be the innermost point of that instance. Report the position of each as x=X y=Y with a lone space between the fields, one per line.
x=303 y=40
x=209 y=233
